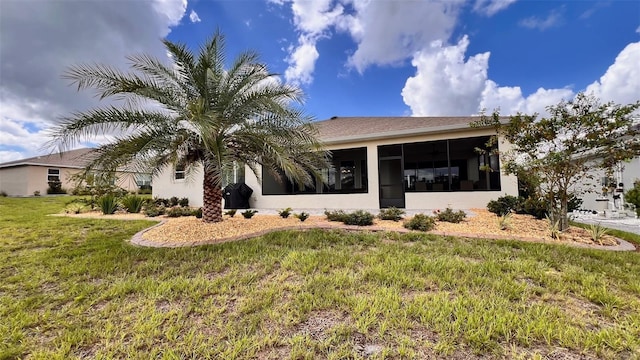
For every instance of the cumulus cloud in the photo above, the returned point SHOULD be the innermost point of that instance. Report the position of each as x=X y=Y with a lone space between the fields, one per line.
x=302 y=60
x=60 y=34
x=621 y=81
x=553 y=19
x=193 y=16
x=491 y=7
x=444 y=83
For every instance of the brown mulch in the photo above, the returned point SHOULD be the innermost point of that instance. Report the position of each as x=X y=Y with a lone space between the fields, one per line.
x=186 y=231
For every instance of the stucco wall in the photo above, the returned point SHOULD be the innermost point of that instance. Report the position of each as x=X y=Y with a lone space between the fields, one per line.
x=630 y=173
x=165 y=186
x=13 y=181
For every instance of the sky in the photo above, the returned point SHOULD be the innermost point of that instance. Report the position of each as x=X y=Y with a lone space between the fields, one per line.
x=351 y=57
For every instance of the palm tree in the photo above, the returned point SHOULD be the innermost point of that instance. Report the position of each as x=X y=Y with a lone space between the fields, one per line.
x=196 y=113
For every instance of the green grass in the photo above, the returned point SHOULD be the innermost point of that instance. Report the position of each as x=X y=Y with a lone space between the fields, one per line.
x=75 y=288
x=630 y=237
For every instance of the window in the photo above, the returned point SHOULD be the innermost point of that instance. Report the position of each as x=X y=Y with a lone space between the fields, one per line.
x=179 y=173
x=451 y=165
x=143 y=180
x=53 y=174
x=347 y=174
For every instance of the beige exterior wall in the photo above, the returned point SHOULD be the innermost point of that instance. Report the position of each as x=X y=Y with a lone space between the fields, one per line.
x=165 y=186
x=593 y=188
x=13 y=181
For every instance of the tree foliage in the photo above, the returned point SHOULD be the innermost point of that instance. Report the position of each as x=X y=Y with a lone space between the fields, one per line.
x=579 y=137
x=197 y=113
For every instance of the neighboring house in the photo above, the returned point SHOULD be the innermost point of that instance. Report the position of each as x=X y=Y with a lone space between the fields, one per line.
x=625 y=174
x=406 y=162
x=27 y=176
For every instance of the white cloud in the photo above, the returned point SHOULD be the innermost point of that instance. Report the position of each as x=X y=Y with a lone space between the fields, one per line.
x=83 y=32
x=193 y=16
x=553 y=19
x=491 y=7
x=8 y=155
x=302 y=60
x=445 y=84
x=638 y=30
x=621 y=81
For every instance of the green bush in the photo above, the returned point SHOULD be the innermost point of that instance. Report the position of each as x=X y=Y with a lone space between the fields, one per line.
x=161 y=202
x=284 y=213
x=133 y=204
x=55 y=187
x=633 y=196
x=505 y=204
x=153 y=210
x=248 y=214
x=108 y=204
x=359 y=217
x=391 y=213
x=420 y=222
x=3 y=194
x=302 y=216
x=184 y=202
x=451 y=216
x=177 y=211
x=173 y=201
x=231 y=212
x=335 y=215
x=535 y=207
x=198 y=213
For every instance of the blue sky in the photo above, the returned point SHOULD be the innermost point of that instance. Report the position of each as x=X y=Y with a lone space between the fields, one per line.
x=351 y=57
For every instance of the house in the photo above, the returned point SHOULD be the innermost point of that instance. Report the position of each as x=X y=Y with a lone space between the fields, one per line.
x=603 y=193
x=27 y=177
x=406 y=162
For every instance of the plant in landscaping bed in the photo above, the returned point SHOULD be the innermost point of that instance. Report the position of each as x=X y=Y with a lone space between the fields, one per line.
x=302 y=216
x=392 y=213
x=359 y=217
x=505 y=204
x=197 y=213
x=36 y=193
x=75 y=208
x=184 y=202
x=3 y=194
x=108 y=204
x=231 y=212
x=597 y=231
x=451 y=216
x=133 y=203
x=335 y=215
x=248 y=214
x=55 y=187
x=420 y=222
x=177 y=211
x=284 y=213
x=554 y=227
x=173 y=201
x=153 y=210
x=505 y=221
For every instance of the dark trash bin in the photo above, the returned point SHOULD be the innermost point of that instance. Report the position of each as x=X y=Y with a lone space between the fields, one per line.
x=236 y=196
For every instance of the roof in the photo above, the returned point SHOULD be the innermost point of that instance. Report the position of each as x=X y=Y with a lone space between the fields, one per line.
x=347 y=129
x=68 y=159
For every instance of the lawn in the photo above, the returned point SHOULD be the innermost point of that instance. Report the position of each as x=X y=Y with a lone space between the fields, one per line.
x=75 y=288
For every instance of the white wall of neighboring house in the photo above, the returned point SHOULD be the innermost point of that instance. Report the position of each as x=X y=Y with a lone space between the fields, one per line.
x=630 y=173
x=165 y=185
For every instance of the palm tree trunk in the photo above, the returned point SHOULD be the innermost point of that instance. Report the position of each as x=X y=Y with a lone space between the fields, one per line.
x=212 y=199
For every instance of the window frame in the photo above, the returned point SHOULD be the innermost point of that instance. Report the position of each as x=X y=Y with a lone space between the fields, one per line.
x=56 y=176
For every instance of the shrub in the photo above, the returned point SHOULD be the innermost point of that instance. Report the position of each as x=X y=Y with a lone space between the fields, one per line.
x=359 y=217
x=420 y=222
x=391 y=213
x=154 y=210
x=633 y=196
x=505 y=221
x=597 y=232
x=74 y=208
x=55 y=187
x=536 y=207
x=302 y=216
x=173 y=201
x=284 y=213
x=451 y=216
x=133 y=204
x=161 y=202
x=184 y=202
x=177 y=211
x=554 y=227
x=3 y=194
x=335 y=215
x=108 y=204
x=197 y=213
x=248 y=214
x=505 y=204
x=231 y=212
x=36 y=193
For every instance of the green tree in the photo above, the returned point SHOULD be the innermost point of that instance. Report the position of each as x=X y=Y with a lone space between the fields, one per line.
x=197 y=113
x=578 y=138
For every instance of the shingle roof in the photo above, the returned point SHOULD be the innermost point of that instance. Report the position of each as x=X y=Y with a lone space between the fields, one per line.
x=70 y=159
x=343 y=129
